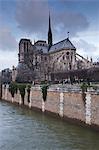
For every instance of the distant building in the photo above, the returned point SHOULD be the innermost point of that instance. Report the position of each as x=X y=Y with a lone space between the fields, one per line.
x=37 y=61
x=96 y=64
x=6 y=76
x=14 y=74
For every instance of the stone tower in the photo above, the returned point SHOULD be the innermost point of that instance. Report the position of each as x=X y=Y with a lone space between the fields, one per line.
x=24 y=50
x=49 y=34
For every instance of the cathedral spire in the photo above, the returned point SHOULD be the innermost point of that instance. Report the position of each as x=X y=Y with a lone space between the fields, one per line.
x=49 y=33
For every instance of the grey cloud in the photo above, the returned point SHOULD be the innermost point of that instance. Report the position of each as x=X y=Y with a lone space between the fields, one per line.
x=86 y=49
x=7 y=40
x=72 y=22
x=64 y=1
x=32 y=17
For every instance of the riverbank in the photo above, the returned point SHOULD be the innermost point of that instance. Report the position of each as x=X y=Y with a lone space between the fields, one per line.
x=66 y=103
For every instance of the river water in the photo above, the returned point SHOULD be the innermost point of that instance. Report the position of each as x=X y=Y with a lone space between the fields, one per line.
x=24 y=129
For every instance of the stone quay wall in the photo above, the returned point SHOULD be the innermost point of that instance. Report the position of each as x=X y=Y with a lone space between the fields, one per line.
x=68 y=104
x=0 y=92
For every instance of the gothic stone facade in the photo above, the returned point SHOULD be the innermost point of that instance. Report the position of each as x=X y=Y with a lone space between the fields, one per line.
x=37 y=61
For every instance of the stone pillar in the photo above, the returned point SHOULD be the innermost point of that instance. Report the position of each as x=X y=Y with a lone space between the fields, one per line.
x=26 y=97
x=12 y=99
x=30 y=103
x=0 y=91
x=43 y=105
x=88 y=108
x=61 y=104
x=3 y=92
x=6 y=92
x=20 y=100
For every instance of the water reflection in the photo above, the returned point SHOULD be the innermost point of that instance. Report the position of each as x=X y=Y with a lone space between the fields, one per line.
x=24 y=129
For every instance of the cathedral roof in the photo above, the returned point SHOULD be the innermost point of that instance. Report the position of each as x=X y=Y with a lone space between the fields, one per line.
x=40 y=41
x=42 y=48
x=65 y=44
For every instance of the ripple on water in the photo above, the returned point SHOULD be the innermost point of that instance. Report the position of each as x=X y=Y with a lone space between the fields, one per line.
x=24 y=129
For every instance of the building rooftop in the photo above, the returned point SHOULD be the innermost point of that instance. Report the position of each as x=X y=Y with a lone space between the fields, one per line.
x=64 y=44
x=42 y=48
x=40 y=41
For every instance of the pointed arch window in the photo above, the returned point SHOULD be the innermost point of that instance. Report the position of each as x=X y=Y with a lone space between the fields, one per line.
x=67 y=55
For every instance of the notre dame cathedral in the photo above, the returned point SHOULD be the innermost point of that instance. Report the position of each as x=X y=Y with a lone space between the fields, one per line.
x=37 y=61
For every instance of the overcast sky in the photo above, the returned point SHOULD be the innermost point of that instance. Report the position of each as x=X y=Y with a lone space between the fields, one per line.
x=29 y=19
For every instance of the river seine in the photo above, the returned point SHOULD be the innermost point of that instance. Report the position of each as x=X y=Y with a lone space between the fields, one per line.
x=24 y=129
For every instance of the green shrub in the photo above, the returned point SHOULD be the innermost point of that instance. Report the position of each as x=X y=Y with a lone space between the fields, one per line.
x=84 y=87
x=13 y=88
x=21 y=88
x=44 y=91
x=28 y=91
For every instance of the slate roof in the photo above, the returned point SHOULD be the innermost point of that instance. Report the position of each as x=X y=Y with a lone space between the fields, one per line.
x=43 y=48
x=65 y=44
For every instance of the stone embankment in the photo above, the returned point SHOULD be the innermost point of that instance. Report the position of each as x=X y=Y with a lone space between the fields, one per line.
x=0 y=93
x=66 y=102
